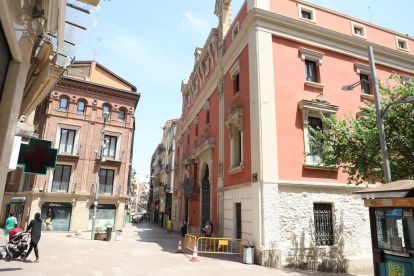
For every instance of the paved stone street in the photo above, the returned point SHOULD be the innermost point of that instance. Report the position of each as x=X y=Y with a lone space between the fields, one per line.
x=145 y=249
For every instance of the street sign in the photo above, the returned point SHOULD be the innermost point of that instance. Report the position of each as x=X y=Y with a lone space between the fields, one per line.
x=37 y=156
x=154 y=207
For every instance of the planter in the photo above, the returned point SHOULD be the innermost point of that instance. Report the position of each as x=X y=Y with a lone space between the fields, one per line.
x=100 y=236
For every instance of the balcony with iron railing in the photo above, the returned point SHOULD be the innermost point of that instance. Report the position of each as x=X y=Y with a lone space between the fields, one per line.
x=60 y=187
x=191 y=187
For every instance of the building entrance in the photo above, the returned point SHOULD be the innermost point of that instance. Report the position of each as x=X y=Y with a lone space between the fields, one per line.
x=205 y=187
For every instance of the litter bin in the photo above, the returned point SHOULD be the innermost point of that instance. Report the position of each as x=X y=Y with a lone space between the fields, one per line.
x=248 y=254
x=108 y=232
x=118 y=235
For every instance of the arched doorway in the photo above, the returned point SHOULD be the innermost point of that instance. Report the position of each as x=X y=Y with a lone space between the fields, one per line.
x=205 y=190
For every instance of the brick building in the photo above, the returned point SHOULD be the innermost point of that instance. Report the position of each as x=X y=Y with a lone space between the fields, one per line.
x=71 y=116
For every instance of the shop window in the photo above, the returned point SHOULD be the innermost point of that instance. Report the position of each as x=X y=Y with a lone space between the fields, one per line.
x=67 y=141
x=61 y=179
x=111 y=145
x=56 y=216
x=395 y=229
x=322 y=213
x=364 y=85
x=81 y=108
x=106 y=182
x=121 y=116
x=63 y=105
x=5 y=58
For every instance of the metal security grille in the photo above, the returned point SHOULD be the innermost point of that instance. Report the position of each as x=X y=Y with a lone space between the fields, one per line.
x=205 y=213
x=238 y=221
x=323 y=224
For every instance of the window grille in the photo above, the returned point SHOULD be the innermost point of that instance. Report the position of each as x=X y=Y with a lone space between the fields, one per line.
x=322 y=213
x=238 y=221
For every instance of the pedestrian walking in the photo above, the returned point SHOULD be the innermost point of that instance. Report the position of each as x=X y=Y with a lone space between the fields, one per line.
x=11 y=223
x=36 y=227
x=208 y=228
x=169 y=226
x=183 y=228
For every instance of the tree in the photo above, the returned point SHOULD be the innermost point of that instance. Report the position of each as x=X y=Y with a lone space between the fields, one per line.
x=353 y=143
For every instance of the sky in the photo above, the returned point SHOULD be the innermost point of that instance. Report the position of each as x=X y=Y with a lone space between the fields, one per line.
x=151 y=44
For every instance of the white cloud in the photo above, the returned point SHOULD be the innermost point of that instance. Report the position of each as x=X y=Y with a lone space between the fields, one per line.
x=196 y=23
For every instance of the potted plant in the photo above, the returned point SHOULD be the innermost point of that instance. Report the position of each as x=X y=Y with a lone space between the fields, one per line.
x=100 y=234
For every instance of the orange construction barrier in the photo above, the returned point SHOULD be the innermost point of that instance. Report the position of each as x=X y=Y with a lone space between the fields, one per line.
x=180 y=250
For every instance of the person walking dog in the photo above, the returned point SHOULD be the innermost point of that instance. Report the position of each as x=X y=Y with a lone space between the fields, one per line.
x=36 y=227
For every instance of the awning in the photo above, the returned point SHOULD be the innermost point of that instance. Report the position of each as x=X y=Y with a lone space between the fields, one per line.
x=18 y=200
x=396 y=189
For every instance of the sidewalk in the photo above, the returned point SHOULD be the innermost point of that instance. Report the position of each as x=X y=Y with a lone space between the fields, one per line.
x=145 y=249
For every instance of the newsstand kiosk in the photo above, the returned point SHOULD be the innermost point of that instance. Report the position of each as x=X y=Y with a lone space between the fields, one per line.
x=391 y=209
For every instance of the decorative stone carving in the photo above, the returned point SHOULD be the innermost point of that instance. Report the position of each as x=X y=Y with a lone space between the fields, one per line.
x=202 y=139
x=196 y=120
x=73 y=98
x=115 y=107
x=220 y=169
x=223 y=12
x=94 y=102
x=221 y=88
x=320 y=99
x=234 y=118
x=207 y=106
x=207 y=65
x=55 y=94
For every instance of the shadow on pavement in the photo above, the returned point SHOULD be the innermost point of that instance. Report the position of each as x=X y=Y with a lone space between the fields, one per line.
x=9 y=269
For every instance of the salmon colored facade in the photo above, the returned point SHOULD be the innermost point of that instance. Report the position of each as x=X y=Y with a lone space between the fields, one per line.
x=260 y=81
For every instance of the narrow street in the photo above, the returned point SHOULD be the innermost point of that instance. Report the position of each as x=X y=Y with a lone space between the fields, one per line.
x=145 y=249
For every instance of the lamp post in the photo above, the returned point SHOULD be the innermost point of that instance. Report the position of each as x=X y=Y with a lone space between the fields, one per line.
x=380 y=113
x=101 y=159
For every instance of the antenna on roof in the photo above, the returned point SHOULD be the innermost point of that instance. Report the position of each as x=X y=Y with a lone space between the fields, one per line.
x=369 y=8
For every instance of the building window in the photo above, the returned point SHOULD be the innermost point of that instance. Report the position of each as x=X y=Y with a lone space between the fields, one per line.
x=306 y=15
x=61 y=179
x=235 y=30
x=316 y=124
x=110 y=142
x=238 y=221
x=106 y=182
x=67 y=141
x=26 y=182
x=402 y=43
x=81 y=108
x=196 y=129
x=364 y=85
x=63 y=105
x=121 y=116
x=105 y=110
x=322 y=213
x=311 y=74
x=234 y=123
x=236 y=84
x=207 y=118
x=358 y=30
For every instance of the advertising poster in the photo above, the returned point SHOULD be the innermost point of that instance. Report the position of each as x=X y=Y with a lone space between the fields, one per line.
x=56 y=216
x=105 y=214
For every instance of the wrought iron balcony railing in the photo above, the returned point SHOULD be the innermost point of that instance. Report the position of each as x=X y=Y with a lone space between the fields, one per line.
x=191 y=187
x=61 y=187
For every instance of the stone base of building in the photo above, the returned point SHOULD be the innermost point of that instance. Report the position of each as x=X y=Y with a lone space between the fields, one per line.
x=273 y=258
x=65 y=212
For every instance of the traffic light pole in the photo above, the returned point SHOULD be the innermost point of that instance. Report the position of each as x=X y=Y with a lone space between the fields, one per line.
x=95 y=204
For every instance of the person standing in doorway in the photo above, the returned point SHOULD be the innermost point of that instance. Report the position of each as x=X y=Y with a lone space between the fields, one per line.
x=36 y=227
x=11 y=223
x=169 y=226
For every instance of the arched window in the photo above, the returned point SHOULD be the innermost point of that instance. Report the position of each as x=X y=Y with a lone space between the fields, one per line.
x=105 y=110
x=81 y=108
x=121 y=116
x=63 y=106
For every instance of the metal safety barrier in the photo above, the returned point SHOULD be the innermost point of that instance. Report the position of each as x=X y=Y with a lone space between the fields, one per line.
x=221 y=245
x=191 y=238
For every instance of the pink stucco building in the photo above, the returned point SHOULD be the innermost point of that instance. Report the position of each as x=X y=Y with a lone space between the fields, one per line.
x=262 y=78
x=71 y=116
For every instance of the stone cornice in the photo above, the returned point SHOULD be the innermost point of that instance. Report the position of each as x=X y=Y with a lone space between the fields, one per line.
x=204 y=146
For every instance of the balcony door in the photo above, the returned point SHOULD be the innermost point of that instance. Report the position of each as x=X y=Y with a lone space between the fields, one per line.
x=61 y=179
x=106 y=182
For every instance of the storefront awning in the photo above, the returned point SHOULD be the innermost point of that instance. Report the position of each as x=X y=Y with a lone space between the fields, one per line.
x=18 y=200
x=396 y=189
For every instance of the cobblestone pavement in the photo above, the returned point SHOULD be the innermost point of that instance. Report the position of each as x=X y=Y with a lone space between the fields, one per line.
x=145 y=249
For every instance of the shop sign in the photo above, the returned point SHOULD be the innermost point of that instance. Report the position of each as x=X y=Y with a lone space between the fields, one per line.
x=408 y=214
x=104 y=206
x=57 y=204
x=390 y=202
x=398 y=268
x=154 y=207
x=37 y=156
